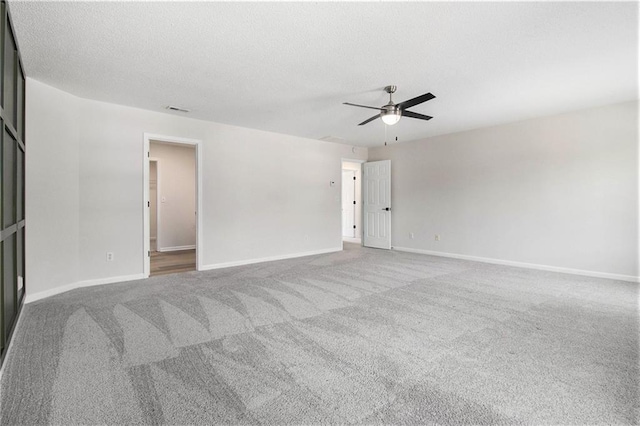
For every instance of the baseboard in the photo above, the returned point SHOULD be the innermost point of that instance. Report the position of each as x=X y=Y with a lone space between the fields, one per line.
x=595 y=274
x=268 y=259
x=352 y=240
x=176 y=248
x=87 y=283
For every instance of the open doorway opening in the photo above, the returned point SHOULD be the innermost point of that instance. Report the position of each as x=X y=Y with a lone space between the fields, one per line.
x=351 y=201
x=172 y=179
x=174 y=209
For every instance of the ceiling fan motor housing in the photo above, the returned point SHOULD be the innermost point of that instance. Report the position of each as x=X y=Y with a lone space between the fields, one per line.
x=391 y=108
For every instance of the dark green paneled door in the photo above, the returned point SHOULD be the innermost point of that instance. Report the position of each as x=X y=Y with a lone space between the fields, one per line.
x=12 y=170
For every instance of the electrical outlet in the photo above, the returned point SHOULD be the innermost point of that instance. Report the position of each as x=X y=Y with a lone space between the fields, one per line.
x=411 y=235
x=437 y=237
x=109 y=256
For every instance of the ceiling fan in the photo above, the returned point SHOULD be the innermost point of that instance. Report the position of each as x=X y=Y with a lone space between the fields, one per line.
x=391 y=113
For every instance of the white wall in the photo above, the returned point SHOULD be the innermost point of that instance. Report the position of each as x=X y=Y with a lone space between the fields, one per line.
x=52 y=188
x=559 y=191
x=264 y=194
x=178 y=195
x=350 y=165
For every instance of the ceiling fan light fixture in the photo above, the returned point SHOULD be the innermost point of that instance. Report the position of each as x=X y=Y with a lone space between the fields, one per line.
x=391 y=117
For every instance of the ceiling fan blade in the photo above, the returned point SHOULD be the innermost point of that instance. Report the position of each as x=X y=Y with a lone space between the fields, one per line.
x=361 y=106
x=412 y=114
x=415 y=101
x=369 y=120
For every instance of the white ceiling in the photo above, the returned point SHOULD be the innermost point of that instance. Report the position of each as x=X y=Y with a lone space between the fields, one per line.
x=287 y=67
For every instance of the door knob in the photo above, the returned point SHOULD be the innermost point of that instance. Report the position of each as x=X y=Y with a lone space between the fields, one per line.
x=387 y=208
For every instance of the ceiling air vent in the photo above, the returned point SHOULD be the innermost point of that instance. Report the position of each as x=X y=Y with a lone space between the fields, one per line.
x=175 y=108
x=335 y=139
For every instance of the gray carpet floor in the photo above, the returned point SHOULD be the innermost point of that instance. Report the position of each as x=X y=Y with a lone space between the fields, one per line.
x=361 y=336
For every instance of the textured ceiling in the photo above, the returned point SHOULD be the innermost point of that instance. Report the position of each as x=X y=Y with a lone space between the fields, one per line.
x=287 y=67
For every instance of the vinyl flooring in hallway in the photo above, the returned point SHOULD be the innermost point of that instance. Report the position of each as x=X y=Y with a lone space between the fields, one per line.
x=171 y=262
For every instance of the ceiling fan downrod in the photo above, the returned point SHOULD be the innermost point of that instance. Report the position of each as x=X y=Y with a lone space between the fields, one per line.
x=390 y=90
x=390 y=112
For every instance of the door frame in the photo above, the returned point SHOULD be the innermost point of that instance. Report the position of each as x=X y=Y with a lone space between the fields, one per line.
x=197 y=143
x=352 y=187
x=360 y=231
x=157 y=161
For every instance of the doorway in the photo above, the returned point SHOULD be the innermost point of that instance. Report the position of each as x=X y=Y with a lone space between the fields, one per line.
x=172 y=197
x=351 y=205
x=172 y=208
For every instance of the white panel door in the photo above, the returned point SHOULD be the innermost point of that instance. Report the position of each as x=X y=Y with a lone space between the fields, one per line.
x=377 y=204
x=348 y=203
